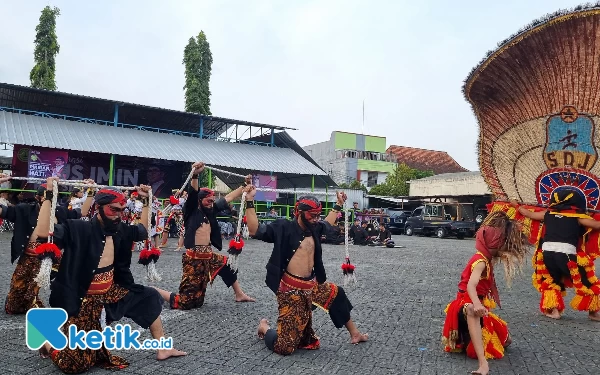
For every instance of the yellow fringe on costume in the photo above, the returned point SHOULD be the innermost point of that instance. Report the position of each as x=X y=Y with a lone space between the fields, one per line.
x=492 y=344
x=585 y=299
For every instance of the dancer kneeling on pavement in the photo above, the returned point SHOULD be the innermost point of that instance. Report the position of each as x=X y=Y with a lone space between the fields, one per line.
x=200 y=264
x=95 y=274
x=295 y=262
x=470 y=326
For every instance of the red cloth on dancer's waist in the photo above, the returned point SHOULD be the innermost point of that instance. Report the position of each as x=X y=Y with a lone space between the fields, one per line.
x=454 y=308
x=290 y=282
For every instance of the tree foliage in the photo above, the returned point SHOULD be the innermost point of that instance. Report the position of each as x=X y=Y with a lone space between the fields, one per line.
x=396 y=185
x=203 y=179
x=354 y=185
x=197 y=59
x=42 y=75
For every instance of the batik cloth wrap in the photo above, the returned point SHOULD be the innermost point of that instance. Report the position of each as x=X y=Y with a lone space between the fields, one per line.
x=23 y=292
x=200 y=267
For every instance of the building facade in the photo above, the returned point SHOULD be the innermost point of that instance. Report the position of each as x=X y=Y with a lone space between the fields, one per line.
x=348 y=156
x=450 y=185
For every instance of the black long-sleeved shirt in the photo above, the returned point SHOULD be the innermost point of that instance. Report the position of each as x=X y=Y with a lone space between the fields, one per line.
x=24 y=216
x=385 y=235
x=194 y=217
x=83 y=243
x=286 y=236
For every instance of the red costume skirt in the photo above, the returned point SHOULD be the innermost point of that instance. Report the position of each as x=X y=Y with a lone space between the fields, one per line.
x=455 y=335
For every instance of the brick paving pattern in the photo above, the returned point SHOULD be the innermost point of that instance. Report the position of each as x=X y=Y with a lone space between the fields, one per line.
x=399 y=301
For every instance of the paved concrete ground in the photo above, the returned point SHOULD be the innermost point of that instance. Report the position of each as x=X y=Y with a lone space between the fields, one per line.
x=399 y=301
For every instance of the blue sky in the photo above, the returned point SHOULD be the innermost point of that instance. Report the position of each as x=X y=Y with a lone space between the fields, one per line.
x=303 y=64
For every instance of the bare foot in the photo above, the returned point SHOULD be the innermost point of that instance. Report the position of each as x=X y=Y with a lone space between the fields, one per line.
x=263 y=327
x=164 y=354
x=359 y=337
x=44 y=351
x=482 y=370
x=554 y=314
x=242 y=297
x=595 y=316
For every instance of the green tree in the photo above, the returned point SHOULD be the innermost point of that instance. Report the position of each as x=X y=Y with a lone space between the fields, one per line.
x=198 y=65
x=353 y=185
x=203 y=179
x=42 y=74
x=396 y=183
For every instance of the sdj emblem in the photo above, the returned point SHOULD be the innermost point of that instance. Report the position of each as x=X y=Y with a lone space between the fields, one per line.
x=569 y=137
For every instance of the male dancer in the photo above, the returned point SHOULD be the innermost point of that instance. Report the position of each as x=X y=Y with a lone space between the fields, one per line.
x=23 y=292
x=295 y=262
x=134 y=205
x=469 y=325
x=95 y=274
x=176 y=214
x=560 y=262
x=200 y=264
x=157 y=222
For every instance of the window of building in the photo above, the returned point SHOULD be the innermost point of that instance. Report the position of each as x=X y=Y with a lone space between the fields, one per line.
x=372 y=179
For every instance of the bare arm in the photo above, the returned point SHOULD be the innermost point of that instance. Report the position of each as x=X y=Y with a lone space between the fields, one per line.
x=333 y=214
x=197 y=168
x=143 y=192
x=238 y=192
x=85 y=208
x=590 y=223
x=43 y=220
x=472 y=286
x=538 y=216
x=251 y=219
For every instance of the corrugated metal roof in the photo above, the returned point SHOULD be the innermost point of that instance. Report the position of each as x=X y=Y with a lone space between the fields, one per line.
x=70 y=135
x=23 y=97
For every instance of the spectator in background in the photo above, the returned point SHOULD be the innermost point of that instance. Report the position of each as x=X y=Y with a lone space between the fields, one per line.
x=353 y=229
x=4 y=198
x=383 y=236
x=361 y=235
x=370 y=228
x=18 y=197
x=224 y=218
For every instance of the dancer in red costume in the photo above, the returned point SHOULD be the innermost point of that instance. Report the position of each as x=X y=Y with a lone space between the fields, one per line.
x=470 y=326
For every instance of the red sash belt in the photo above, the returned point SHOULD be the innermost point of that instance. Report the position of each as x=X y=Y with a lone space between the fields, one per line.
x=101 y=283
x=290 y=282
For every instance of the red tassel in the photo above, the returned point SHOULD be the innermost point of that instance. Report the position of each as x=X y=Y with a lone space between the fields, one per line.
x=155 y=251
x=145 y=257
x=348 y=267
x=48 y=250
x=173 y=200
x=238 y=245
x=244 y=220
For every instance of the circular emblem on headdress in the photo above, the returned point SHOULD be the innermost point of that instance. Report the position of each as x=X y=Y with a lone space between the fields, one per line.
x=553 y=180
x=569 y=114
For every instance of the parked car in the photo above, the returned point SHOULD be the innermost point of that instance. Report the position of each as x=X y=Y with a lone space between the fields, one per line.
x=480 y=215
x=395 y=223
x=432 y=218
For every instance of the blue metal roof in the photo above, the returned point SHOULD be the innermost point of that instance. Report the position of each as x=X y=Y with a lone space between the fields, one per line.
x=16 y=128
